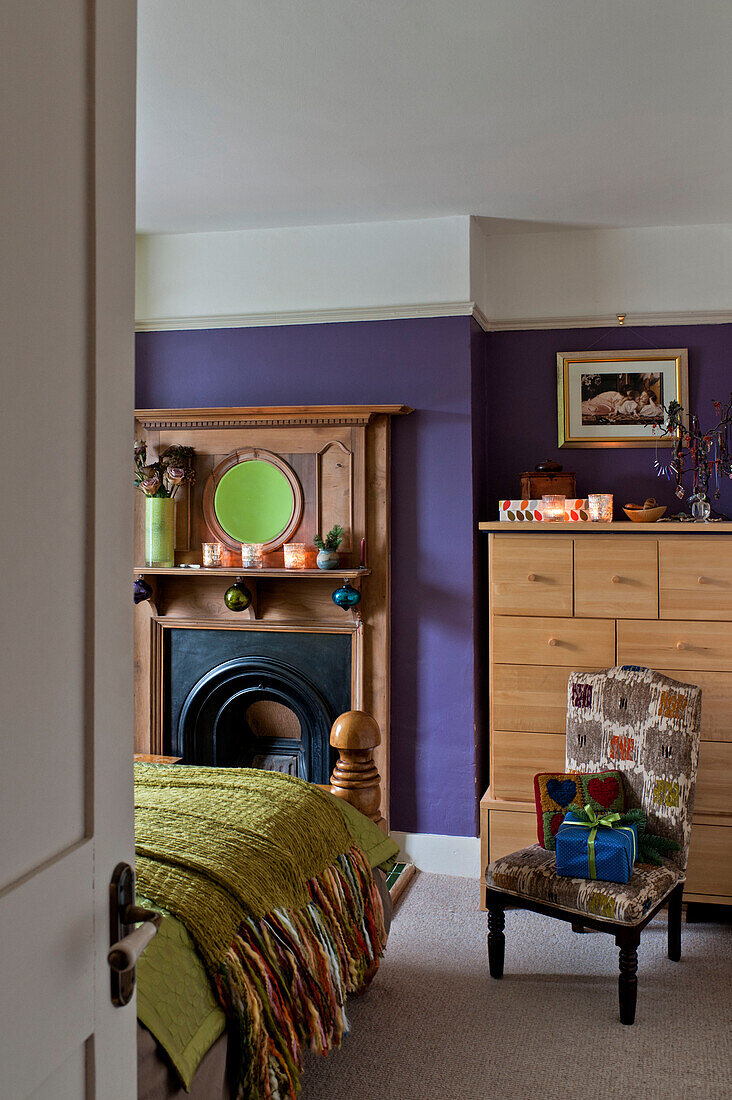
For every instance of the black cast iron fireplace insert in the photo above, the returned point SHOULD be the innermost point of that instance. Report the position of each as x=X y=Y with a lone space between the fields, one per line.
x=257 y=698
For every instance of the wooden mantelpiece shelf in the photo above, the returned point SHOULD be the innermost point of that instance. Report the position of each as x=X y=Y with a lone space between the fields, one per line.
x=586 y=596
x=256 y=574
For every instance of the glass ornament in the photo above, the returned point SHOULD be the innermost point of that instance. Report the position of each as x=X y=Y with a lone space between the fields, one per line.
x=238 y=597
x=346 y=597
x=141 y=590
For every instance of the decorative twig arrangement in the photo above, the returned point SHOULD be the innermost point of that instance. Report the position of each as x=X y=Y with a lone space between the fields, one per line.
x=164 y=477
x=707 y=456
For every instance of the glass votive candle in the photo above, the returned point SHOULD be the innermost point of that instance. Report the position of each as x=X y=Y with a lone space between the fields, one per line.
x=600 y=507
x=251 y=555
x=212 y=554
x=552 y=509
x=296 y=555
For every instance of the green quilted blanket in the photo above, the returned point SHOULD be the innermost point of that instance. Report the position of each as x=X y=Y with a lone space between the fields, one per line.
x=261 y=870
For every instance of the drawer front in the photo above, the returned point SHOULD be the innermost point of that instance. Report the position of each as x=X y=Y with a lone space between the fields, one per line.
x=517 y=757
x=530 y=698
x=713 y=779
x=676 y=645
x=695 y=578
x=710 y=861
x=577 y=642
x=716 y=701
x=531 y=575
x=616 y=577
x=509 y=830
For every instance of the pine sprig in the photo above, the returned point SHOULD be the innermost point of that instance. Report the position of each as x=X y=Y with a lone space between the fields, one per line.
x=332 y=540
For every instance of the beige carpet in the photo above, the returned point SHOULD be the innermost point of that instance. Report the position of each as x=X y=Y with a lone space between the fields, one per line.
x=435 y=1026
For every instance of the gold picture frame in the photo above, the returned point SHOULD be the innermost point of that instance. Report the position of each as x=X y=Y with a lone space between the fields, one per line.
x=614 y=399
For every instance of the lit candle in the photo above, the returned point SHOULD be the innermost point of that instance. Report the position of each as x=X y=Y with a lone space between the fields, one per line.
x=552 y=508
x=600 y=507
x=296 y=555
x=363 y=553
x=212 y=555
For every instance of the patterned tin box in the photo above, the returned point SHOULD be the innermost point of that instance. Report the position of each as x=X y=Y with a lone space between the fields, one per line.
x=529 y=511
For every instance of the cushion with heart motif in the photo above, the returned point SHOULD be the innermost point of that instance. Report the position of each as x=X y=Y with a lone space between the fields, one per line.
x=555 y=793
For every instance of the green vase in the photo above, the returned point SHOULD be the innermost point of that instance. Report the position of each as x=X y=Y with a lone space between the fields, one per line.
x=159 y=531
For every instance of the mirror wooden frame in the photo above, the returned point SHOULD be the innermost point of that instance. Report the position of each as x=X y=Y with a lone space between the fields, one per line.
x=250 y=454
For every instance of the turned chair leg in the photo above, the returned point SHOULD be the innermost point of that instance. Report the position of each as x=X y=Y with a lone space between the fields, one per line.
x=628 y=982
x=496 y=941
x=674 y=923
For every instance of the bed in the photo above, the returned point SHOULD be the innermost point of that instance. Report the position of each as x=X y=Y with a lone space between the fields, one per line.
x=274 y=908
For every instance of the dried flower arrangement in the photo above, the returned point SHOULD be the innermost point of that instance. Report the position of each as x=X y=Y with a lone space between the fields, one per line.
x=164 y=477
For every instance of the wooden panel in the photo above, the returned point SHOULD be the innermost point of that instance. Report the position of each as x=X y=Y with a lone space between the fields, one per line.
x=675 y=645
x=517 y=757
x=716 y=700
x=539 y=641
x=696 y=578
x=508 y=831
x=531 y=698
x=334 y=481
x=616 y=578
x=712 y=781
x=710 y=861
x=531 y=576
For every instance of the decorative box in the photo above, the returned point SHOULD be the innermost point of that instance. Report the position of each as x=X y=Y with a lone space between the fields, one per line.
x=529 y=511
x=596 y=851
x=556 y=793
x=535 y=483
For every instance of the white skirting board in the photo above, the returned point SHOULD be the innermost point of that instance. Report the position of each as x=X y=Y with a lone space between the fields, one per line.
x=441 y=855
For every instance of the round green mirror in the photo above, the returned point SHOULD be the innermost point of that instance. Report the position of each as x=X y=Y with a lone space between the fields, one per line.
x=253 y=496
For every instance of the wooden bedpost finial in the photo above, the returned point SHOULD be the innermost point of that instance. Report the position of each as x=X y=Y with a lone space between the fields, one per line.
x=356 y=734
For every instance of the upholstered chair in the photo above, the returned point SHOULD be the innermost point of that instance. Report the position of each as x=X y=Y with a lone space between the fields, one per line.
x=647 y=726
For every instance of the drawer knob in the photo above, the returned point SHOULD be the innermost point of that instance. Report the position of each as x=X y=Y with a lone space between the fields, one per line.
x=681 y=645
x=615 y=579
x=531 y=577
x=702 y=580
x=553 y=641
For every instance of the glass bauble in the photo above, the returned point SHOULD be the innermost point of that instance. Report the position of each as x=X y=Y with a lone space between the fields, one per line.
x=346 y=597
x=238 y=597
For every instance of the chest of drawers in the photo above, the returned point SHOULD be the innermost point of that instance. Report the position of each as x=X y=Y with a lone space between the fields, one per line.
x=591 y=596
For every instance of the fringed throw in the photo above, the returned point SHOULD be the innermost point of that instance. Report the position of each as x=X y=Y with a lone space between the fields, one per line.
x=283 y=909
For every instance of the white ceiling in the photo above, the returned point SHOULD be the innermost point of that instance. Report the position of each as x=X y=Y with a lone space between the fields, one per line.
x=260 y=113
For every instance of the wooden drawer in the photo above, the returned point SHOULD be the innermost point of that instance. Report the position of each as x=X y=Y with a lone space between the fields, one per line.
x=695 y=578
x=530 y=698
x=530 y=641
x=716 y=700
x=531 y=575
x=713 y=779
x=517 y=757
x=710 y=861
x=616 y=577
x=508 y=831
x=675 y=645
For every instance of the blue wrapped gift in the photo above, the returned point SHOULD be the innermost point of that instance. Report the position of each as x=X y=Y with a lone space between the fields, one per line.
x=599 y=849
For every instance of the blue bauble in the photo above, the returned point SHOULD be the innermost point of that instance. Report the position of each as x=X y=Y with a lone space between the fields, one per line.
x=346 y=597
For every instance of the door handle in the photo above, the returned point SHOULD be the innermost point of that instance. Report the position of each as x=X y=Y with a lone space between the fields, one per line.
x=126 y=941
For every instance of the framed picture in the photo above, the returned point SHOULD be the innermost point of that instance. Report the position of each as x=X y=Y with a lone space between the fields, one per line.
x=617 y=399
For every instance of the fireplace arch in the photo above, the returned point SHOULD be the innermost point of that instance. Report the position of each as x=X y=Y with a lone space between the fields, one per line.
x=213 y=729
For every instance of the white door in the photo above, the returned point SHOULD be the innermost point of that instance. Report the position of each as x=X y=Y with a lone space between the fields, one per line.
x=67 y=72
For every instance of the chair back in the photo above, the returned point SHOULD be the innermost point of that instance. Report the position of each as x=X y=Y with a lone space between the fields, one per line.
x=647 y=726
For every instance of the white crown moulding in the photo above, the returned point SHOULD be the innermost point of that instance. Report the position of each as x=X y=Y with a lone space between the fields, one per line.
x=432 y=309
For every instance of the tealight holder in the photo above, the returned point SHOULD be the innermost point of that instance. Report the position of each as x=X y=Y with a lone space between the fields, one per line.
x=212 y=554
x=296 y=555
x=252 y=556
x=600 y=507
x=552 y=508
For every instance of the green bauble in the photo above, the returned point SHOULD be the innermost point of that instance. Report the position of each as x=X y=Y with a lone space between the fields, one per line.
x=238 y=597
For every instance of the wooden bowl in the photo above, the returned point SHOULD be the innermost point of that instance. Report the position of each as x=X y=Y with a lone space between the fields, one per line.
x=645 y=515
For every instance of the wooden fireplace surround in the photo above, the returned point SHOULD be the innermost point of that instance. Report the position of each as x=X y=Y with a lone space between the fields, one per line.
x=341 y=455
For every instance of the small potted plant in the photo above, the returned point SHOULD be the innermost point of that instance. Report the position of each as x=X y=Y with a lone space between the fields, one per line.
x=328 y=549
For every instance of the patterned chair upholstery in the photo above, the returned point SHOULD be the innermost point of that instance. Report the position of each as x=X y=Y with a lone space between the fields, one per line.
x=647 y=726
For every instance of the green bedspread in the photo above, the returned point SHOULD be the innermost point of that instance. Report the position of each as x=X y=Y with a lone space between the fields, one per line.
x=176 y=1000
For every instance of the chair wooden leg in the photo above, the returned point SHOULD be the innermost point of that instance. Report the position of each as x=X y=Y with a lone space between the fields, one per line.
x=628 y=982
x=674 y=923
x=496 y=941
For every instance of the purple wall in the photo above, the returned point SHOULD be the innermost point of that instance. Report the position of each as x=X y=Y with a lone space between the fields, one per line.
x=521 y=418
x=425 y=364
